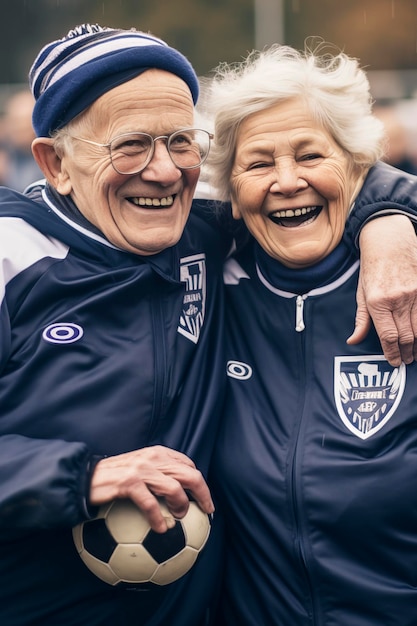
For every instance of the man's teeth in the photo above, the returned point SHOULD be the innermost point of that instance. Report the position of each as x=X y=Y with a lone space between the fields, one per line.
x=294 y=212
x=168 y=201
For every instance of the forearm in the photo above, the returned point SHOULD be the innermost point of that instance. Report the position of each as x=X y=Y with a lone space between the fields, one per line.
x=386 y=191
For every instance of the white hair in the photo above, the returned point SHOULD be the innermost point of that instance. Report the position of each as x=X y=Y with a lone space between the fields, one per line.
x=334 y=87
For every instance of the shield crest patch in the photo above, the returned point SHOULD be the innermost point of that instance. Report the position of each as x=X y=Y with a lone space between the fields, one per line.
x=367 y=391
x=193 y=275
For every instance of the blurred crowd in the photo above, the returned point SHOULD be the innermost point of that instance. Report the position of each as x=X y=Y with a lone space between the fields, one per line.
x=401 y=137
x=18 y=168
x=17 y=165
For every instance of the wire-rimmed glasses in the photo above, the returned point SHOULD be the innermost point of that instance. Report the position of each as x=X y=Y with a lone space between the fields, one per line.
x=130 y=153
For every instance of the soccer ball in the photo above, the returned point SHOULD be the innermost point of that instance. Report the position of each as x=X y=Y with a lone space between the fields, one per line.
x=120 y=547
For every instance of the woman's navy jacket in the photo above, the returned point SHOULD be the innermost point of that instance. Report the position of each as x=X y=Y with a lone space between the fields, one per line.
x=316 y=463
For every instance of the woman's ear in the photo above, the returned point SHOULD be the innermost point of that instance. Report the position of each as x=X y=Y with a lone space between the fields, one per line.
x=51 y=164
x=235 y=210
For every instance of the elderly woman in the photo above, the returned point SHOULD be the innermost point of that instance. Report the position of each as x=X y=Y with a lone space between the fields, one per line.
x=315 y=467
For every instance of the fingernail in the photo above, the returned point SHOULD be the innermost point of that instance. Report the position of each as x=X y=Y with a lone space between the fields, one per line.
x=170 y=522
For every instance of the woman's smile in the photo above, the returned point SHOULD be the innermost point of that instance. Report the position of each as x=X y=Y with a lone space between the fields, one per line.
x=291 y=218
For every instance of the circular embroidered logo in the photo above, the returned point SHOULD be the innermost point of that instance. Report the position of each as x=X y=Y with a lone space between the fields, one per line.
x=236 y=369
x=62 y=333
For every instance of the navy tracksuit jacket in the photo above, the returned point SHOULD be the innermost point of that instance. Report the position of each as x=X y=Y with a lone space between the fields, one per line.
x=316 y=463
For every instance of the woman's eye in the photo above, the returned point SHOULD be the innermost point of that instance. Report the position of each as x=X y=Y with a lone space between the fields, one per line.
x=255 y=166
x=310 y=157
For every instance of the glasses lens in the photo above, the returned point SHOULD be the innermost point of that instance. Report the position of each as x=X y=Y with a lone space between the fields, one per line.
x=129 y=153
x=189 y=148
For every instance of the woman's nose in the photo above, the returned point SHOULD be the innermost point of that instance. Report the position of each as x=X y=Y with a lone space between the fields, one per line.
x=288 y=179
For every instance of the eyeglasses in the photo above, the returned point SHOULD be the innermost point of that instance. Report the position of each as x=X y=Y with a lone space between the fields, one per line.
x=130 y=153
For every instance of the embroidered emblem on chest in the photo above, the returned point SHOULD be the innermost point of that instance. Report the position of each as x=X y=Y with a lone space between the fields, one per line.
x=193 y=275
x=367 y=392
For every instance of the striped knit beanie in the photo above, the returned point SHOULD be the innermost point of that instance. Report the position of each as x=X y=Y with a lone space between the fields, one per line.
x=71 y=73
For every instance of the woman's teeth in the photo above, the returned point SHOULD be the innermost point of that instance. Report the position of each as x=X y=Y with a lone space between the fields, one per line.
x=294 y=212
x=291 y=218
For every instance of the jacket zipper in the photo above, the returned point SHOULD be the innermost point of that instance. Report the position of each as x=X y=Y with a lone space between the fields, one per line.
x=297 y=504
x=299 y=313
x=160 y=367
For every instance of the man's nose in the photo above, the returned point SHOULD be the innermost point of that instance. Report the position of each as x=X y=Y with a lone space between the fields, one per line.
x=161 y=167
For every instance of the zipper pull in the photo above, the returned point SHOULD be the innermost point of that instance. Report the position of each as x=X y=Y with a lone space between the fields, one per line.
x=299 y=314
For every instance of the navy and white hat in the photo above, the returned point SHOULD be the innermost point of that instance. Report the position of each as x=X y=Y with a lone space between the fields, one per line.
x=71 y=73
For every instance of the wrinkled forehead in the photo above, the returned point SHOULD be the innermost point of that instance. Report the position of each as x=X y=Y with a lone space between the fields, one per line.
x=154 y=101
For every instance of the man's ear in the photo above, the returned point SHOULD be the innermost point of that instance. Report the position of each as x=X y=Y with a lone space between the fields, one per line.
x=51 y=165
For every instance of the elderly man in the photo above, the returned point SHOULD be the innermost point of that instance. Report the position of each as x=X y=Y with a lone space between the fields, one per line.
x=111 y=329
x=111 y=378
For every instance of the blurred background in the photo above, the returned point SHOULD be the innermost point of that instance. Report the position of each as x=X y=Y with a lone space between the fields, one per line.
x=382 y=34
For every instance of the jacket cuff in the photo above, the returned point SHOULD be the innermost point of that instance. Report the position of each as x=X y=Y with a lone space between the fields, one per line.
x=90 y=510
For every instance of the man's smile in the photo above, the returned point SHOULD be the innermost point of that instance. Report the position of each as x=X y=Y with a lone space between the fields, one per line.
x=153 y=202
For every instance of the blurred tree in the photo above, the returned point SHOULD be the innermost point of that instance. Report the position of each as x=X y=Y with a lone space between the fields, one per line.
x=25 y=26
x=381 y=33
x=206 y=31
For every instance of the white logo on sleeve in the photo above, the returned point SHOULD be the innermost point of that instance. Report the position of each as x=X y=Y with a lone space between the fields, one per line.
x=239 y=370
x=62 y=332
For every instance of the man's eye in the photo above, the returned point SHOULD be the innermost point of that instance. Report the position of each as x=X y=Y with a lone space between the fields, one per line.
x=131 y=144
x=181 y=141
